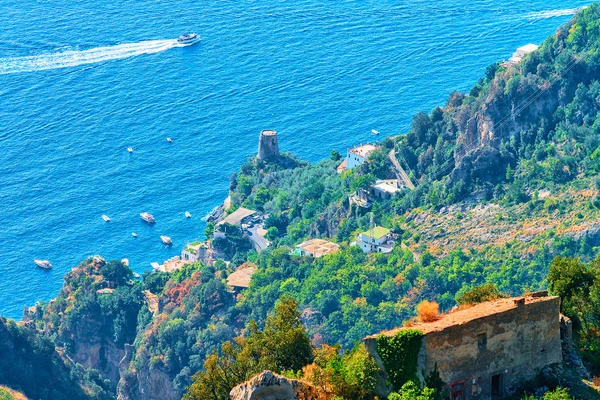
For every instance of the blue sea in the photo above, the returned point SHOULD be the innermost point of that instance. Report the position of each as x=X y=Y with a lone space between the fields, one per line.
x=80 y=81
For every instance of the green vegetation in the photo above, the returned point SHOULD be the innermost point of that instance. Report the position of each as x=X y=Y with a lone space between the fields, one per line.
x=578 y=285
x=399 y=355
x=479 y=294
x=282 y=346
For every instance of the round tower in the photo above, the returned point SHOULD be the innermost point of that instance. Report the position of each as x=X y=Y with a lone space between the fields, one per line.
x=268 y=145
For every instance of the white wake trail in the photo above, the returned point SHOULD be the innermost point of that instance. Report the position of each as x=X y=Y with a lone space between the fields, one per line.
x=554 y=13
x=74 y=58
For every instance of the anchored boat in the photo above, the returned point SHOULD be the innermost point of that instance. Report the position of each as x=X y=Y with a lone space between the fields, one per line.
x=166 y=240
x=148 y=217
x=43 y=264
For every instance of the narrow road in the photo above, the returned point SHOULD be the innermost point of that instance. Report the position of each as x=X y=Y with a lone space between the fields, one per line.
x=260 y=242
x=402 y=175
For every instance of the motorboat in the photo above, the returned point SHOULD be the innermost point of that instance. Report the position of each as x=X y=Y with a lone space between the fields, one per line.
x=148 y=217
x=166 y=240
x=43 y=263
x=105 y=218
x=188 y=39
x=130 y=149
x=169 y=140
x=375 y=132
x=188 y=215
x=134 y=234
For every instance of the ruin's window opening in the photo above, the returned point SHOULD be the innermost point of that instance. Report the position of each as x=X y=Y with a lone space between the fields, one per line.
x=482 y=340
x=497 y=385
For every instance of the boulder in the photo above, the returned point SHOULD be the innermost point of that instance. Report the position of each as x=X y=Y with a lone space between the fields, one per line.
x=270 y=386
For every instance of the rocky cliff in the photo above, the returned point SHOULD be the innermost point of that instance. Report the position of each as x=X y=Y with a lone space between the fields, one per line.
x=270 y=386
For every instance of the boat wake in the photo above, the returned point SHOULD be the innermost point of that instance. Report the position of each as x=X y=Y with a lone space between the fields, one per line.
x=74 y=58
x=553 y=13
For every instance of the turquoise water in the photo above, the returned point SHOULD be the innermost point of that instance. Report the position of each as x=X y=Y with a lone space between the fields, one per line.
x=81 y=81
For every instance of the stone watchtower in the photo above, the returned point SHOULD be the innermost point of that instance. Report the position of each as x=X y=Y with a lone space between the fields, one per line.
x=268 y=145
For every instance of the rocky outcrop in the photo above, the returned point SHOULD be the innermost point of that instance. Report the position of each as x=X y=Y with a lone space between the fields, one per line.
x=270 y=386
x=146 y=384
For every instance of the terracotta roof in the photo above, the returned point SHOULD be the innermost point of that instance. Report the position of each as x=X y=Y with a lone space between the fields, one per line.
x=467 y=315
x=342 y=167
x=318 y=247
x=241 y=277
x=236 y=217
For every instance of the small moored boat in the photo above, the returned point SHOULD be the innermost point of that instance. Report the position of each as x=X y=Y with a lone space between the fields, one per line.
x=166 y=240
x=188 y=39
x=169 y=140
x=105 y=218
x=375 y=132
x=134 y=234
x=188 y=215
x=129 y=149
x=43 y=263
x=149 y=218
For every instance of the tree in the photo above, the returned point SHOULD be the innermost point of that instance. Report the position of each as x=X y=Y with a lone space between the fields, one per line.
x=410 y=391
x=282 y=346
x=335 y=155
x=571 y=280
x=479 y=294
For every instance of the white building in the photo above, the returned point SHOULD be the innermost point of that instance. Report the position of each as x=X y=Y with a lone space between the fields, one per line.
x=521 y=52
x=194 y=252
x=359 y=155
x=386 y=188
x=375 y=240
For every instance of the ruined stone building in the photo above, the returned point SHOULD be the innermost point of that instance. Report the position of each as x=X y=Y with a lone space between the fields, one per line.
x=488 y=350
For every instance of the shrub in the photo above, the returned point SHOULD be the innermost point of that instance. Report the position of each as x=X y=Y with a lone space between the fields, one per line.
x=428 y=311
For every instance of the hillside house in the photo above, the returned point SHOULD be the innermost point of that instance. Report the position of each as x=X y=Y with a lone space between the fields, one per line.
x=194 y=252
x=386 y=188
x=374 y=240
x=237 y=218
x=488 y=350
x=240 y=279
x=317 y=248
x=521 y=52
x=359 y=155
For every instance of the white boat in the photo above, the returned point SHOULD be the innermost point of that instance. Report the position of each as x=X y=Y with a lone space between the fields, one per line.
x=166 y=240
x=125 y=262
x=188 y=39
x=43 y=263
x=169 y=140
x=188 y=215
x=134 y=234
x=129 y=149
x=136 y=275
x=155 y=265
x=149 y=218
x=375 y=132
x=105 y=218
